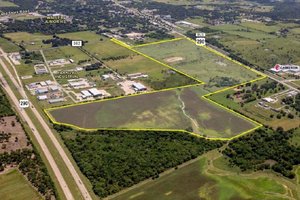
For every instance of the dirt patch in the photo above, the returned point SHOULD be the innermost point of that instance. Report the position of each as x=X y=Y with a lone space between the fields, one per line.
x=174 y=59
x=12 y=135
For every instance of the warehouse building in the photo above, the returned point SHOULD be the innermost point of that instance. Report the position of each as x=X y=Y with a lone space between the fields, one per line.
x=139 y=87
x=95 y=92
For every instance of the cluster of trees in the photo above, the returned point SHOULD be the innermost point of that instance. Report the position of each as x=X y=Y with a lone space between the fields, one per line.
x=115 y=57
x=31 y=56
x=114 y=160
x=251 y=92
x=220 y=81
x=57 y=41
x=171 y=79
x=5 y=108
x=264 y=149
x=159 y=35
x=32 y=166
x=293 y=102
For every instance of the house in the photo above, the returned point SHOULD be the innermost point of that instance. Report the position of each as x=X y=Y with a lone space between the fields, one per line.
x=139 y=87
x=268 y=99
x=105 y=77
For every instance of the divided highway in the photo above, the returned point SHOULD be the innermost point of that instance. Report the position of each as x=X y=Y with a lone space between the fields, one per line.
x=83 y=190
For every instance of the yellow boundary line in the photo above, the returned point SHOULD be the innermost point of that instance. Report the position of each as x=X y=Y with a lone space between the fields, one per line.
x=258 y=125
x=159 y=42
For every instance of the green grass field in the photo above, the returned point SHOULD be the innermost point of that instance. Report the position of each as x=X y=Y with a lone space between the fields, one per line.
x=162 y=110
x=66 y=52
x=99 y=46
x=7 y=4
x=14 y=186
x=208 y=179
x=198 y=62
x=29 y=40
x=8 y=46
x=261 y=44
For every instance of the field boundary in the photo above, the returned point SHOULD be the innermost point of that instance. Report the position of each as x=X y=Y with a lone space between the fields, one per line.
x=206 y=96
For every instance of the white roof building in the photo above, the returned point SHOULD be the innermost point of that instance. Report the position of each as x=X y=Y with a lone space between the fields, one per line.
x=139 y=87
x=54 y=88
x=42 y=97
x=268 y=99
x=43 y=83
x=95 y=92
x=105 y=76
x=85 y=94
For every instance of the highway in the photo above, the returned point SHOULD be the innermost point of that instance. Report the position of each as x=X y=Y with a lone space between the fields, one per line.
x=65 y=158
x=41 y=142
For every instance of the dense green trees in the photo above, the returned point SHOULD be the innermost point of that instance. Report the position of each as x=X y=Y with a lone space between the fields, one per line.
x=113 y=160
x=5 y=107
x=264 y=149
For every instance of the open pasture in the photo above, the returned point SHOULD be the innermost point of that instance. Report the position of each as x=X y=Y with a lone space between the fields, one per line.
x=206 y=178
x=13 y=185
x=29 y=40
x=8 y=46
x=199 y=63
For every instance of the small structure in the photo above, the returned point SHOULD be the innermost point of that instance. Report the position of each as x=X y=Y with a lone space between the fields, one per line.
x=76 y=84
x=95 y=92
x=42 y=97
x=268 y=99
x=85 y=94
x=105 y=76
x=139 y=87
x=54 y=88
x=43 y=84
x=51 y=101
x=41 y=91
x=48 y=82
x=40 y=69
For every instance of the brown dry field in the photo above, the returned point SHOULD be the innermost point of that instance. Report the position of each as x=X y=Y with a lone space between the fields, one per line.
x=16 y=131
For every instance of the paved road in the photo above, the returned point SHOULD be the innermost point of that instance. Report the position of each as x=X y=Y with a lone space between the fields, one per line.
x=41 y=142
x=57 y=145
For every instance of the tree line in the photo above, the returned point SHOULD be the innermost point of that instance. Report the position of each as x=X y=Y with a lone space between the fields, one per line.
x=265 y=149
x=114 y=160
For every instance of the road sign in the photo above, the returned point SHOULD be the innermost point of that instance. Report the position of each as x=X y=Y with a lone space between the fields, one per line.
x=24 y=103
x=76 y=43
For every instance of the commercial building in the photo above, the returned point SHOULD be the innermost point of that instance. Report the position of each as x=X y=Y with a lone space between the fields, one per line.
x=286 y=68
x=40 y=69
x=41 y=91
x=42 y=97
x=139 y=87
x=51 y=101
x=95 y=92
x=85 y=94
